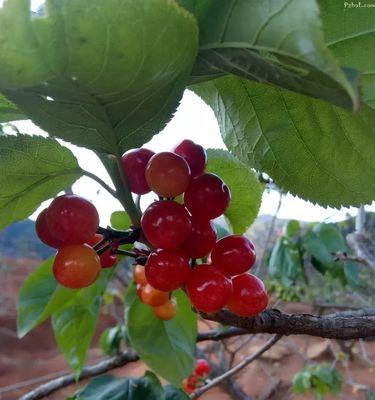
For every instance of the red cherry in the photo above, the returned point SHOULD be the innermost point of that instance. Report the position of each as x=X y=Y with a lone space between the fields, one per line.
x=188 y=386
x=72 y=219
x=201 y=239
x=249 y=296
x=202 y=368
x=134 y=163
x=233 y=255
x=208 y=289
x=207 y=196
x=167 y=270
x=44 y=233
x=194 y=154
x=76 y=266
x=168 y=174
x=166 y=224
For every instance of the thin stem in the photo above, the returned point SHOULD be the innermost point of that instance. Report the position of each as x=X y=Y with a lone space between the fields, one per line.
x=126 y=253
x=101 y=183
x=126 y=196
x=237 y=368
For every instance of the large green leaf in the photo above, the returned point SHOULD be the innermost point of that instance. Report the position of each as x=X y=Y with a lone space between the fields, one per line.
x=107 y=387
x=246 y=190
x=279 y=42
x=317 y=151
x=107 y=75
x=350 y=34
x=40 y=296
x=167 y=347
x=74 y=324
x=8 y=111
x=33 y=169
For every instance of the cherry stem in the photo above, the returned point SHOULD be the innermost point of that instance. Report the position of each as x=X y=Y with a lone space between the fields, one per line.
x=104 y=249
x=126 y=253
x=100 y=244
x=121 y=237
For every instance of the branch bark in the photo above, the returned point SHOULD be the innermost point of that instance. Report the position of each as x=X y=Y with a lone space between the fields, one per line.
x=342 y=325
x=88 y=372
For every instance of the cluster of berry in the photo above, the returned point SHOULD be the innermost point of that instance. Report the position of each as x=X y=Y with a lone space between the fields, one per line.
x=181 y=233
x=69 y=224
x=198 y=378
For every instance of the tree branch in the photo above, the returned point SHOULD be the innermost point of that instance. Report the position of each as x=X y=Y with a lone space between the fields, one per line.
x=90 y=371
x=237 y=368
x=343 y=325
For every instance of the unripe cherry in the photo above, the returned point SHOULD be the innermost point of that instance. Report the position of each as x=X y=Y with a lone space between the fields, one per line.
x=167 y=270
x=76 y=266
x=208 y=289
x=167 y=310
x=166 y=224
x=249 y=296
x=72 y=219
x=201 y=239
x=207 y=196
x=168 y=174
x=194 y=154
x=134 y=163
x=139 y=274
x=233 y=255
x=153 y=297
x=44 y=233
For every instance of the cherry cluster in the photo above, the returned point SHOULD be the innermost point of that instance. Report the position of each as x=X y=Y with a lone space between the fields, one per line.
x=70 y=224
x=198 y=378
x=180 y=231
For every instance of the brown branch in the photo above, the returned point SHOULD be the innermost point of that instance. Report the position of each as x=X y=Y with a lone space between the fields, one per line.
x=237 y=368
x=88 y=372
x=343 y=325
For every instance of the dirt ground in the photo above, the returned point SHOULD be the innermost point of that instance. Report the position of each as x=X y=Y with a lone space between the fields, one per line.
x=23 y=362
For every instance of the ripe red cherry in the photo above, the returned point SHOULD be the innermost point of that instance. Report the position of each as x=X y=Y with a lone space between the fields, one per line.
x=201 y=239
x=76 y=266
x=207 y=196
x=233 y=255
x=208 y=289
x=43 y=231
x=166 y=224
x=167 y=270
x=194 y=154
x=249 y=296
x=202 y=368
x=134 y=163
x=168 y=174
x=72 y=219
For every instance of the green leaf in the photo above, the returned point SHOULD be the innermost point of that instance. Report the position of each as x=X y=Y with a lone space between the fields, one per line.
x=40 y=296
x=74 y=325
x=245 y=188
x=314 y=150
x=350 y=35
x=301 y=382
x=278 y=42
x=111 y=338
x=120 y=220
x=167 y=347
x=320 y=243
x=291 y=229
x=106 y=75
x=107 y=387
x=33 y=169
x=8 y=111
x=285 y=262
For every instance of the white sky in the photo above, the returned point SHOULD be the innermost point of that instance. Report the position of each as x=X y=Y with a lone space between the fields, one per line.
x=196 y=121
